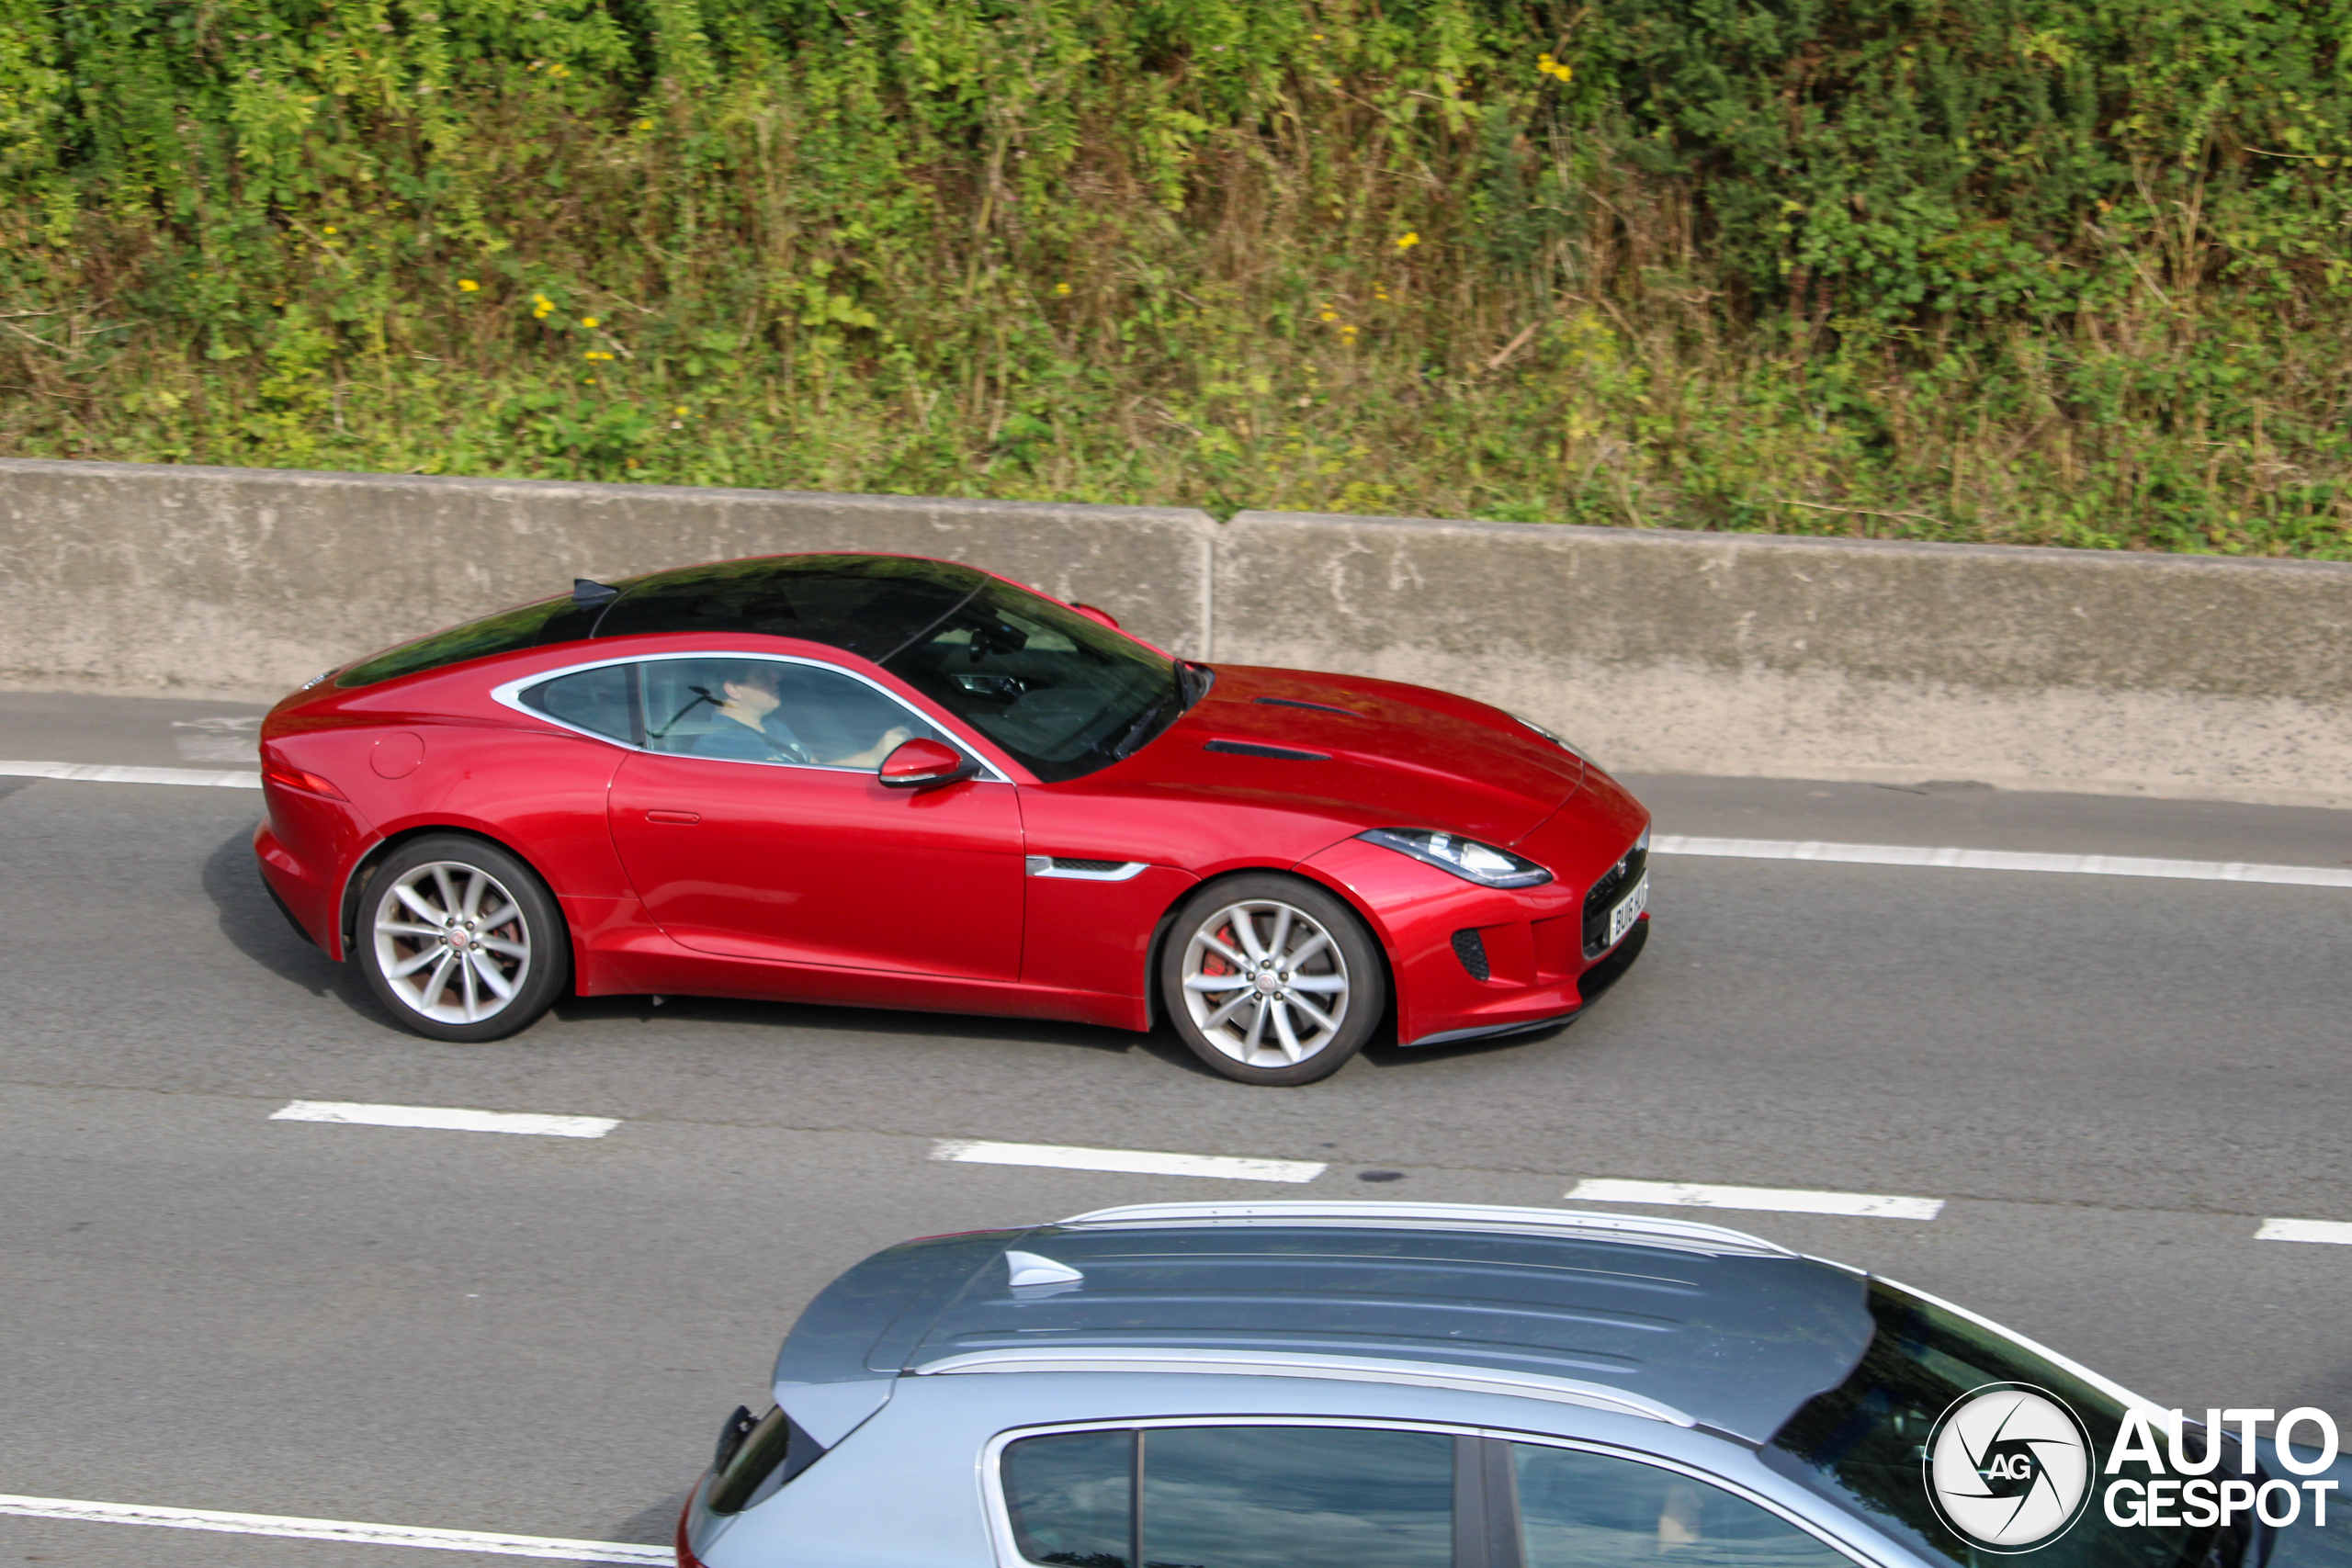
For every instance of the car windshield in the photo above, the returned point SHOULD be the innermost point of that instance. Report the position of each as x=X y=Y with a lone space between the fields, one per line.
x=1862 y=1444
x=1062 y=692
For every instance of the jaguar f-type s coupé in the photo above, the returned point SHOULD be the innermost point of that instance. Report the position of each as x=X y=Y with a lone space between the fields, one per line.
x=890 y=782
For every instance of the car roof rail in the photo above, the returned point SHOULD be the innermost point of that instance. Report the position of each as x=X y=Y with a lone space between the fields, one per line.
x=1688 y=1236
x=1465 y=1377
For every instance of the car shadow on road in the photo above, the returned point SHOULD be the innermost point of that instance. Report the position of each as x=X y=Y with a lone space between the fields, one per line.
x=976 y=1029
x=656 y=1526
x=255 y=928
x=1384 y=1052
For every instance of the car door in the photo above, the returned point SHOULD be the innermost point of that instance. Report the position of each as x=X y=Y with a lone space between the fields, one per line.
x=757 y=827
x=1261 y=1495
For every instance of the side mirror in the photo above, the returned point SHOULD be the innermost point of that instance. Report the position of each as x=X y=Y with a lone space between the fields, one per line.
x=924 y=765
x=1104 y=616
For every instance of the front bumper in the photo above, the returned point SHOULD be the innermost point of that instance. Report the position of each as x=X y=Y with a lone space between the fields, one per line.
x=1472 y=963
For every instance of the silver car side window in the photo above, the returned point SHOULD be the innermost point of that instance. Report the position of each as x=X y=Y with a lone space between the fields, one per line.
x=1589 y=1510
x=1232 y=1497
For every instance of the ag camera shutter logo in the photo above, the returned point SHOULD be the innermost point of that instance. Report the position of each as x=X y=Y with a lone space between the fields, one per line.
x=2009 y=1467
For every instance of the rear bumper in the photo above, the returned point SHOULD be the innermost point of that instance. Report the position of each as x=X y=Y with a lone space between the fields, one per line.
x=304 y=847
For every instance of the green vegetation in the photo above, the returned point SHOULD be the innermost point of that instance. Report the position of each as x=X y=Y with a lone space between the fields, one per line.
x=2035 y=271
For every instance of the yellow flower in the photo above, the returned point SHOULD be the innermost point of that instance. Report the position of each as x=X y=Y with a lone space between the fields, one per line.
x=1329 y=316
x=331 y=229
x=644 y=125
x=468 y=284
x=1061 y=288
x=679 y=410
x=1407 y=240
x=587 y=320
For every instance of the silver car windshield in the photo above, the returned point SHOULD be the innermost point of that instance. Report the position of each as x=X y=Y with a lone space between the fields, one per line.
x=1862 y=1444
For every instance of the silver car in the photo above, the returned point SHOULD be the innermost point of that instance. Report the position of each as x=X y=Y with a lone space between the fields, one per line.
x=1402 y=1385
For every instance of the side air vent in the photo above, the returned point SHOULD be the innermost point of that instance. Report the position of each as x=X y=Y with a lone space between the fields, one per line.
x=1311 y=707
x=1251 y=749
x=1471 y=948
x=1077 y=870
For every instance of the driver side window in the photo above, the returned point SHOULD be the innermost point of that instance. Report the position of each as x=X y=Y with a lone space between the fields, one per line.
x=771 y=710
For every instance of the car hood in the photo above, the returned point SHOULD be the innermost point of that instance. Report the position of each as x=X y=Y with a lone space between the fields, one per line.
x=1375 y=753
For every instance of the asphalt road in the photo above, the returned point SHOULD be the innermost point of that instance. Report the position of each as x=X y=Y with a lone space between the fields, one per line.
x=2110 y=1082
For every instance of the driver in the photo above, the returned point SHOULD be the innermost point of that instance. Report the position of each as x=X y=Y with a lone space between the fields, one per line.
x=755 y=732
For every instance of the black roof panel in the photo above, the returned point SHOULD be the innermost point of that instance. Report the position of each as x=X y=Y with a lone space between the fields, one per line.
x=869 y=605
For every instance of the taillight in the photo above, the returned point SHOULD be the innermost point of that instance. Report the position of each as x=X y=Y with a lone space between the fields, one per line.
x=286 y=776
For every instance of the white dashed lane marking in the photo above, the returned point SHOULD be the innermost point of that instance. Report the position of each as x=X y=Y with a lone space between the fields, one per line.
x=2003 y=859
x=446 y=1119
x=1230 y=1167
x=336 y=1529
x=2336 y=1231
x=1137 y=1162
x=113 y=773
x=1775 y=1200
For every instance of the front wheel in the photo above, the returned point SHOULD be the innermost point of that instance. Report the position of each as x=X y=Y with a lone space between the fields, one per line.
x=1271 y=980
x=461 y=941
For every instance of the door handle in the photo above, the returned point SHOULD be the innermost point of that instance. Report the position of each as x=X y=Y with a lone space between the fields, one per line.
x=683 y=818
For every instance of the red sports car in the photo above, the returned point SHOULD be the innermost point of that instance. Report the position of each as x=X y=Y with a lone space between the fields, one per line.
x=890 y=781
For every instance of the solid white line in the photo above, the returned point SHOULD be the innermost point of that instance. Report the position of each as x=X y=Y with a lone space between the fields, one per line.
x=336 y=1529
x=1779 y=1200
x=445 y=1119
x=2335 y=1231
x=1139 y=1162
x=109 y=772
x=2003 y=859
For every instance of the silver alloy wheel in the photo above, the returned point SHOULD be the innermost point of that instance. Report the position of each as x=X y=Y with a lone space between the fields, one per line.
x=451 y=941
x=1264 y=983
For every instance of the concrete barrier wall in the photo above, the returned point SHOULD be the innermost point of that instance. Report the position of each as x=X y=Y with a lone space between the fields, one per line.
x=1671 y=652
x=1749 y=654
x=130 y=578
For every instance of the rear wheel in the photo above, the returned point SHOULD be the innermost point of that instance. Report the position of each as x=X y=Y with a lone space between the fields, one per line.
x=1271 y=980
x=461 y=941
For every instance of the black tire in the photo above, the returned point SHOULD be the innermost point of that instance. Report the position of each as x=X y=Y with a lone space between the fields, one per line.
x=1204 y=942
x=402 y=945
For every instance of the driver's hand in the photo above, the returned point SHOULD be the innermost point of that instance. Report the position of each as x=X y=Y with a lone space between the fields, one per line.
x=895 y=737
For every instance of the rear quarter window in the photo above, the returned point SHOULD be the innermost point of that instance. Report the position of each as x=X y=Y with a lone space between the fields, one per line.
x=603 y=702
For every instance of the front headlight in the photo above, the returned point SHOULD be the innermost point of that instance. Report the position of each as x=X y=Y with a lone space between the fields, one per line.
x=1467 y=858
x=1562 y=741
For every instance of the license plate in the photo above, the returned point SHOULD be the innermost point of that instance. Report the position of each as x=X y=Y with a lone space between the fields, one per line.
x=1629 y=910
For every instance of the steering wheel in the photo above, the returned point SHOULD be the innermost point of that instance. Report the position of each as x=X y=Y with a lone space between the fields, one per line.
x=786 y=744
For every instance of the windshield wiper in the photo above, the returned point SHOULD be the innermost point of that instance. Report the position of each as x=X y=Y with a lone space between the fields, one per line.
x=1134 y=735
x=1187 y=674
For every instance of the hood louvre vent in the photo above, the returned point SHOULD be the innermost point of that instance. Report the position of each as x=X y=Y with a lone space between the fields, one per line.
x=1252 y=749
x=1311 y=707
